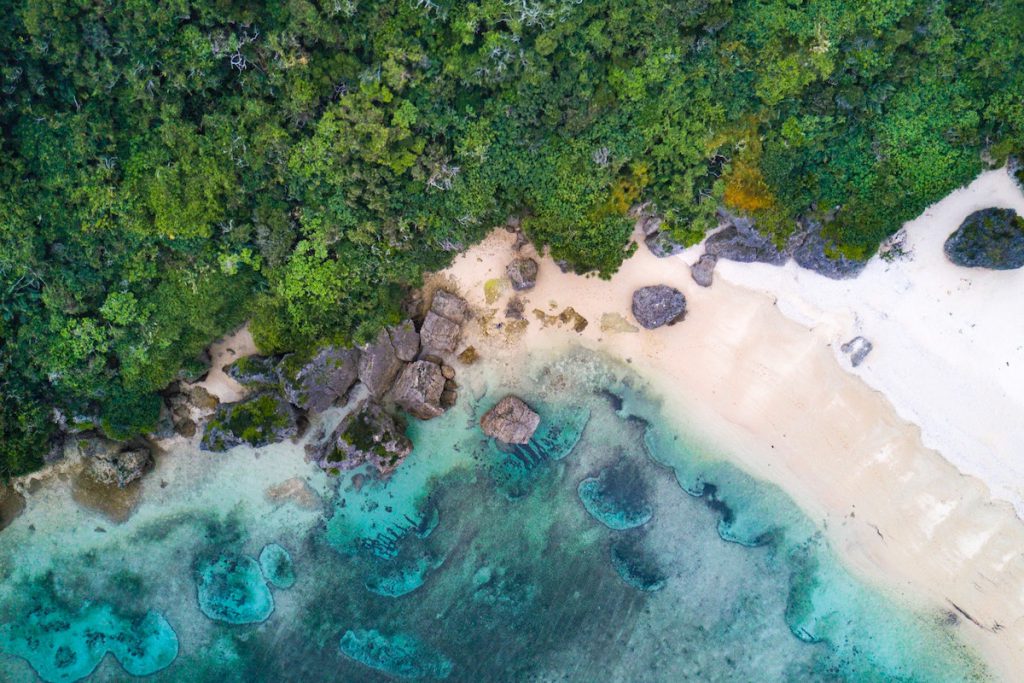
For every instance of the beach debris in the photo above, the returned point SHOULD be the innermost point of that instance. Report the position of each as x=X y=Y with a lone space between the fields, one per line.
x=658 y=305
x=857 y=349
x=703 y=270
x=317 y=383
x=368 y=434
x=569 y=316
x=990 y=238
x=511 y=421
x=113 y=462
x=418 y=389
x=405 y=340
x=522 y=272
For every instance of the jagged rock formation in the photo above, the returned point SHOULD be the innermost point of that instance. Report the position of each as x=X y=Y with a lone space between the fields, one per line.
x=511 y=421
x=316 y=384
x=523 y=273
x=809 y=250
x=113 y=462
x=658 y=305
x=990 y=238
x=254 y=371
x=419 y=388
x=379 y=364
x=256 y=421
x=367 y=435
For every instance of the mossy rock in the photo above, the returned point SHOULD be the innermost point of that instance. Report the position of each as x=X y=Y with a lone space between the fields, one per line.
x=990 y=238
x=257 y=421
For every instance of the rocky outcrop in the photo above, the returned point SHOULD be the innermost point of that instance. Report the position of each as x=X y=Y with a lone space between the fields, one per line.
x=511 y=421
x=439 y=334
x=187 y=404
x=450 y=306
x=990 y=238
x=254 y=371
x=741 y=242
x=810 y=251
x=379 y=365
x=857 y=349
x=319 y=382
x=367 y=435
x=703 y=270
x=661 y=245
x=112 y=462
x=258 y=420
x=523 y=273
x=658 y=305
x=418 y=389
x=405 y=340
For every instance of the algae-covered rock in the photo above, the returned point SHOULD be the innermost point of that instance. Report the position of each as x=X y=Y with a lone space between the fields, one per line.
x=276 y=565
x=511 y=421
x=256 y=421
x=317 y=383
x=990 y=238
x=398 y=655
x=658 y=305
x=254 y=371
x=231 y=588
x=615 y=497
x=367 y=435
x=113 y=462
x=418 y=389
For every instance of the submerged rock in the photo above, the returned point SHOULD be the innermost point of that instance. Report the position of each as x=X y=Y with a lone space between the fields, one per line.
x=990 y=238
x=858 y=349
x=398 y=655
x=379 y=365
x=439 y=334
x=232 y=589
x=634 y=565
x=254 y=371
x=703 y=270
x=367 y=435
x=658 y=305
x=113 y=462
x=276 y=565
x=318 y=383
x=615 y=497
x=511 y=421
x=523 y=273
x=256 y=421
x=418 y=389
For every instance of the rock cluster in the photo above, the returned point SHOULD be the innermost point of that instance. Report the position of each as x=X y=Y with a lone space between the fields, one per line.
x=511 y=421
x=658 y=305
x=367 y=434
x=113 y=462
x=990 y=238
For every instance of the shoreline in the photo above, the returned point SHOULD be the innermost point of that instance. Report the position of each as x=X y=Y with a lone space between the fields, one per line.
x=769 y=390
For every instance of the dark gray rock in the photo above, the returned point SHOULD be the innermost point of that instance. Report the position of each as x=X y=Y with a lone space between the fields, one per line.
x=450 y=306
x=658 y=305
x=661 y=245
x=379 y=365
x=113 y=462
x=258 y=420
x=740 y=242
x=649 y=224
x=857 y=349
x=405 y=340
x=703 y=270
x=990 y=238
x=367 y=435
x=511 y=421
x=418 y=389
x=809 y=250
x=318 y=383
x=254 y=371
x=439 y=334
x=523 y=273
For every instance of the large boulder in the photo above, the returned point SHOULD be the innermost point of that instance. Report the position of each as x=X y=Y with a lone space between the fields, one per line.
x=439 y=334
x=511 y=421
x=367 y=435
x=741 y=242
x=810 y=251
x=256 y=421
x=990 y=238
x=405 y=340
x=113 y=462
x=523 y=273
x=658 y=305
x=703 y=270
x=317 y=383
x=450 y=306
x=379 y=365
x=254 y=371
x=418 y=389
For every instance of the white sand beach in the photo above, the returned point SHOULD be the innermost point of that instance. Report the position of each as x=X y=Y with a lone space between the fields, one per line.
x=778 y=393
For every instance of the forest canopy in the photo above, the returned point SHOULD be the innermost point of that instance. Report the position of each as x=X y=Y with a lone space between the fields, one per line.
x=172 y=168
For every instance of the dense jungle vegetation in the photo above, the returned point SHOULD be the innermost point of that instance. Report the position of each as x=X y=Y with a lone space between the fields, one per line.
x=171 y=168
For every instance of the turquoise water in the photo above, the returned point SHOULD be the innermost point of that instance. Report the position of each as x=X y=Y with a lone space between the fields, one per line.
x=613 y=547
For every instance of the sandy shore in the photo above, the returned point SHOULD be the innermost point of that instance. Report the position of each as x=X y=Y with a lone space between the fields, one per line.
x=771 y=392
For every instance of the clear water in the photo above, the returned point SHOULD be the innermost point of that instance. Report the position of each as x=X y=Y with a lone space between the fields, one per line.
x=613 y=547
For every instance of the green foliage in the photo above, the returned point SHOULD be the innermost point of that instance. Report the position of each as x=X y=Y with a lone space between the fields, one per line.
x=170 y=170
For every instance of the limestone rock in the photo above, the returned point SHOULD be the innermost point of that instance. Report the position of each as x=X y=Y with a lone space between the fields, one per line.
x=511 y=421
x=523 y=273
x=253 y=371
x=703 y=270
x=316 y=384
x=418 y=389
x=439 y=333
x=658 y=305
x=405 y=340
x=450 y=306
x=990 y=238
x=113 y=462
x=379 y=365
x=367 y=434
x=258 y=420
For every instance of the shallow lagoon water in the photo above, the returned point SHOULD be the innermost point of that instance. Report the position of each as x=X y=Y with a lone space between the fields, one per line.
x=472 y=562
